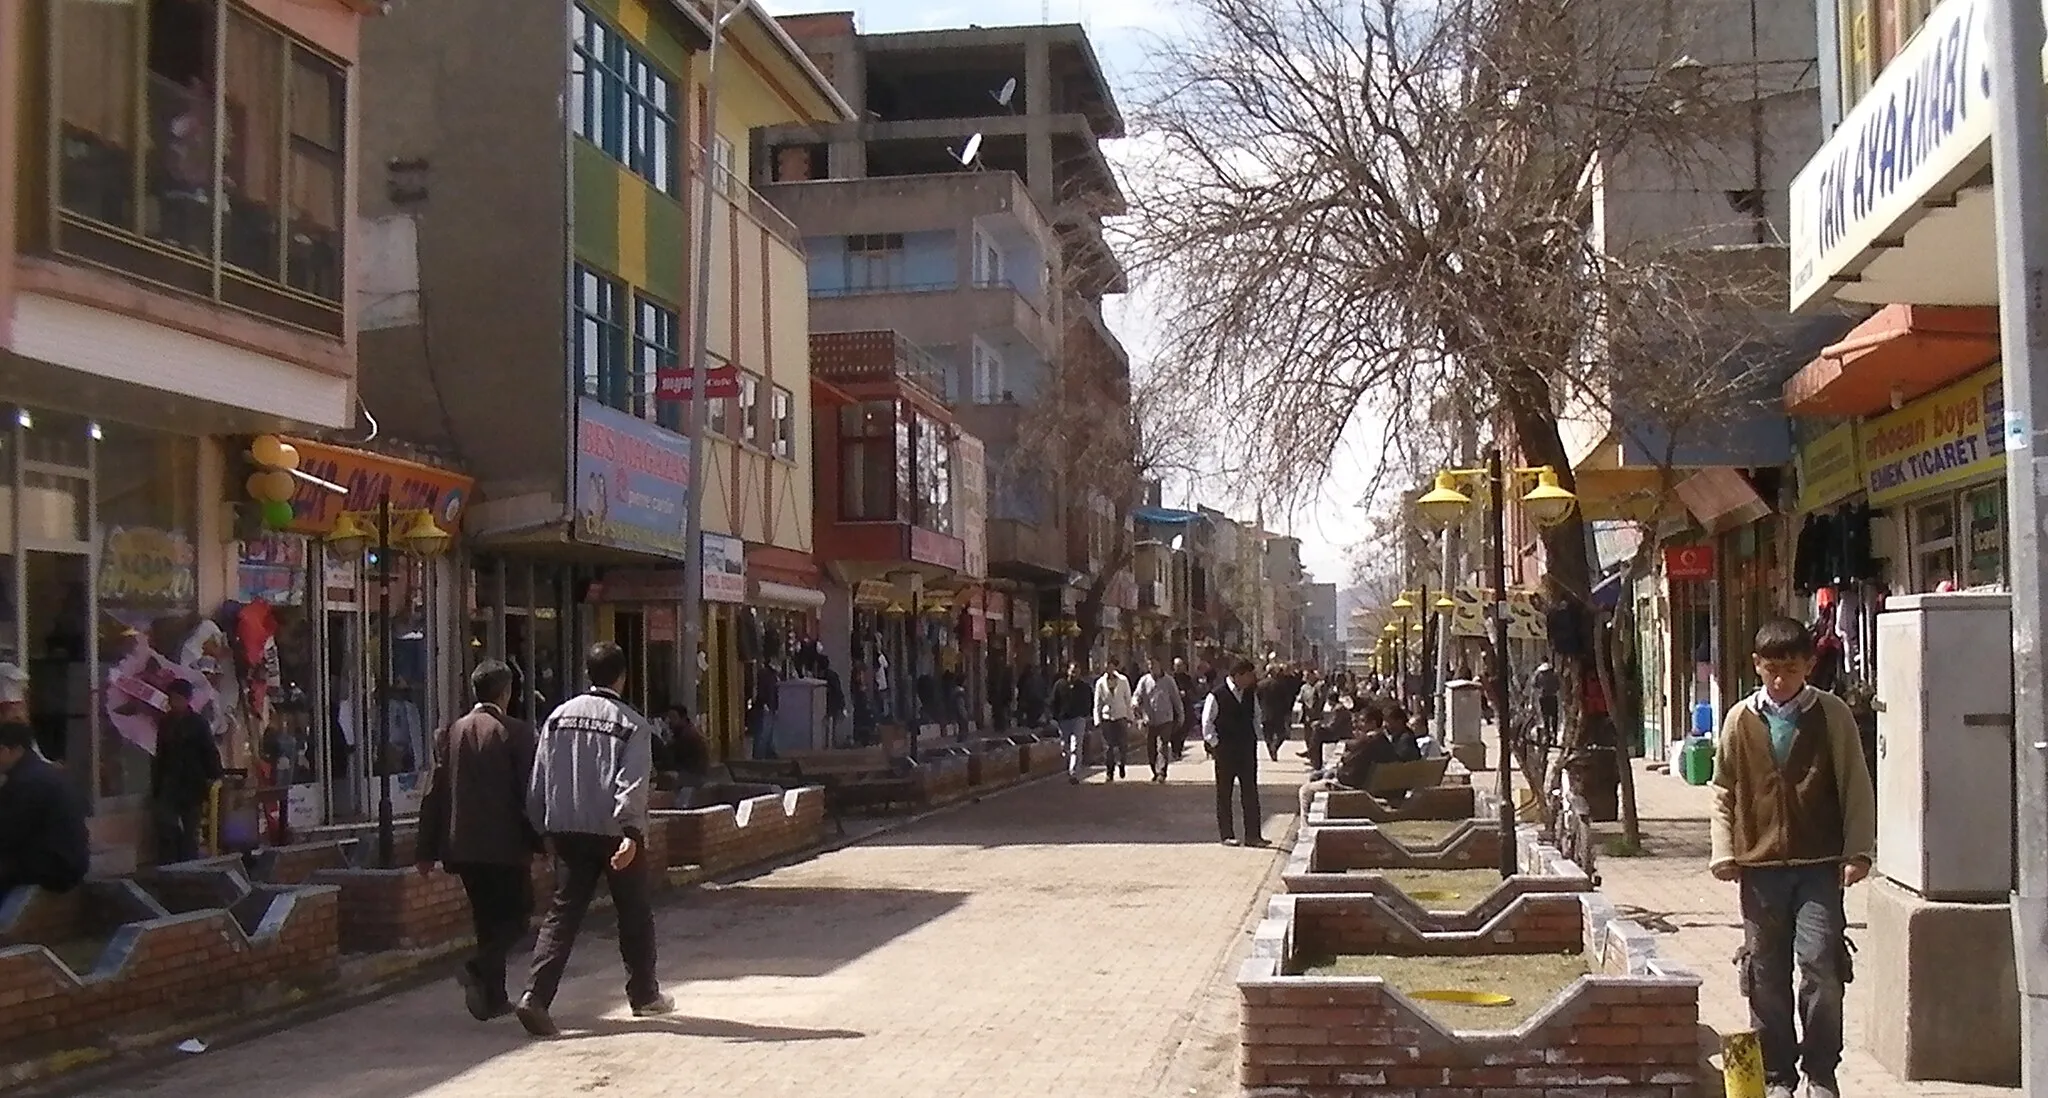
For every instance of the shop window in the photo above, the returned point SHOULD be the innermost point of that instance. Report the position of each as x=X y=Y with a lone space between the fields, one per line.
x=151 y=182
x=867 y=472
x=1934 y=544
x=598 y=342
x=934 y=475
x=1984 y=516
x=150 y=630
x=782 y=416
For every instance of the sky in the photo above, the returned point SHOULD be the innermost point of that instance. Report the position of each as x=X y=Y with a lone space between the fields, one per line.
x=1122 y=32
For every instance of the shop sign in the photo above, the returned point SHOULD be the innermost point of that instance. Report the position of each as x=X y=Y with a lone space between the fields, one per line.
x=998 y=608
x=1689 y=563
x=676 y=382
x=1924 y=120
x=932 y=547
x=1829 y=468
x=970 y=503
x=1022 y=618
x=642 y=585
x=661 y=625
x=725 y=568
x=1945 y=438
x=369 y=478
x=632 y=486
x=272 y=568
x=873 y=594
x=148 y=566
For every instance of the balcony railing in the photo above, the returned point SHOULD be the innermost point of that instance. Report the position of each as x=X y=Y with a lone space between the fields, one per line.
x=1030 y=294
x=886 y=288
x=750 y=202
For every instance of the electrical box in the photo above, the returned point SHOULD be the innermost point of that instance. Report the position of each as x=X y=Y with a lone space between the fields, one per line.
x=799 y=723
x=1945 y=744
x=1463 y=707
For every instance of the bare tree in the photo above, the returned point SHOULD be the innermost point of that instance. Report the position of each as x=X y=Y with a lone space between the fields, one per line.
x=1369 y=211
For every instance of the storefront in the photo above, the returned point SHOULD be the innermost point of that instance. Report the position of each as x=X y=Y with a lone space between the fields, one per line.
x=1936 y=469
x=338 y=617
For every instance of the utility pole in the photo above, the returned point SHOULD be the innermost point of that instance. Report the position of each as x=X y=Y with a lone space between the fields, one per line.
x=2019 y=171
x=700 y=363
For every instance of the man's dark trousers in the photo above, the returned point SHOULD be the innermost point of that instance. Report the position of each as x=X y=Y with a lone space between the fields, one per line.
x=1238 y=764
x=1275 y=734
x=1792 y=918
x=580 y=862
x=1159 y=746
x=500 y=903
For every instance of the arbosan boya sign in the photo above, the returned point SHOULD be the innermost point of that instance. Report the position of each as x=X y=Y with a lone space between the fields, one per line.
x=1922 y=130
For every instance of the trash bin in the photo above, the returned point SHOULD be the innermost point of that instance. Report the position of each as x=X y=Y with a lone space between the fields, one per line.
x=1696 y=760
x=1703 y=719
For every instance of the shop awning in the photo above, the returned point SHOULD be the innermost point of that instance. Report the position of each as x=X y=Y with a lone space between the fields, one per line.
x=1902 y=353
x=1721 y=499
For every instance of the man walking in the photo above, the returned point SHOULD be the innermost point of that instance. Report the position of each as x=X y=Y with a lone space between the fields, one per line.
x=1070 y=713
x=1159 y=704
x=1114 y=709
x=1276 y=706
x=473 y=822
x=591 y=773
x=1192 y=691
x=1230 y=729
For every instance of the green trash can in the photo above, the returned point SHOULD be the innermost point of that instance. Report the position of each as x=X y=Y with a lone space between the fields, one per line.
x=1696 y=760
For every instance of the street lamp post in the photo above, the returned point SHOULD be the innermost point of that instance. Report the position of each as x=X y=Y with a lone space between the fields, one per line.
x=1548 y=503
x=700 y=360
x=351 y=539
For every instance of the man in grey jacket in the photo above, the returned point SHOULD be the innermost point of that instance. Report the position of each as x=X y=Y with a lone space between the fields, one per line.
x=591 y=776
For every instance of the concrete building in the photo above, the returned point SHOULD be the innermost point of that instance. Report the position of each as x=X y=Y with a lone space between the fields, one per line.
x=1321 y=626
x=995 y=266
x=529 y=244
x=1284 y=597
x=1904 y=438
x=177 y=277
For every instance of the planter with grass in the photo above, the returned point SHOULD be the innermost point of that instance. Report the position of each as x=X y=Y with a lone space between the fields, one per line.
x=1334 y=1007
x=1469 y=844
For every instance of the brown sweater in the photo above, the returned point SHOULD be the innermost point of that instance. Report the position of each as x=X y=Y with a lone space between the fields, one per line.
x=1816 y=807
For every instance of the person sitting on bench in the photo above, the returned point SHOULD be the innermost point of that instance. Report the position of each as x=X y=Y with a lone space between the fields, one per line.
x=1367 y=748
x=42 y=818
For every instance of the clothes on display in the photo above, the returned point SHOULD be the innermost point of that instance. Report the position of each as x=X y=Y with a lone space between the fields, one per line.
x=1834 y=550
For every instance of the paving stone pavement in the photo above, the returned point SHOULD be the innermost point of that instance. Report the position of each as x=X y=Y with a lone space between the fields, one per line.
x=1049 y=942
x=1700 y=925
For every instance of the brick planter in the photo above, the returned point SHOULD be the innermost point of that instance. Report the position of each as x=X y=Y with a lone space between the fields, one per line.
x=168 y=968
x=396 y=909
x=942 y=780
x=1629 y=1028
x=1551 y=887
x=994 y=764
x=1041 y=756
x=1442 y=802
x=1338 y=850
x=717 y=838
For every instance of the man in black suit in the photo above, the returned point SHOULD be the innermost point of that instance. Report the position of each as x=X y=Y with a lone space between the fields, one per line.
x=473 y=821
x=1230 y=726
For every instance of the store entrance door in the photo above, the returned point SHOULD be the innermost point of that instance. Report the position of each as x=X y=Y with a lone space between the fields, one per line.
x=59 y=660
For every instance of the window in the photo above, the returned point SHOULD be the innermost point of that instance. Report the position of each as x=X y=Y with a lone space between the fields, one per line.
x=655 y=331
x=867 y=474
x=782 y=413
x=1857 y=29
x=1984 y=522
x=988 y=261
x=603 y=370
x=249 y=213
x=621 y=102
x=874 y=261
x=750 y=409
x=718 y=416
x=988 y=375
x=934 y=476
x=722 y=172
x=1934 y=543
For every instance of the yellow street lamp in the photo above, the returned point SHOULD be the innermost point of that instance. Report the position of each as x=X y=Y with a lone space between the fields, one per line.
x=1402 y=603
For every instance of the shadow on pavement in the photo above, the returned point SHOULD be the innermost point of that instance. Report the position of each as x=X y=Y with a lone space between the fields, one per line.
x=1127 y=811
x=716 y=1028
x=761 y=929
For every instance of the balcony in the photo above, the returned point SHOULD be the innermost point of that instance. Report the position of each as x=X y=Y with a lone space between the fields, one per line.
x=858 y=360
x=735 y=194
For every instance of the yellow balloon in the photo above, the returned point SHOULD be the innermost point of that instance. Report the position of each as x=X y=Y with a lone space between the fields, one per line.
x=272 y=452
x=271 y=486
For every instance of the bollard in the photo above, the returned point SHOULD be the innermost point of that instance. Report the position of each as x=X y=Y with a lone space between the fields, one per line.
x=1742 y=1065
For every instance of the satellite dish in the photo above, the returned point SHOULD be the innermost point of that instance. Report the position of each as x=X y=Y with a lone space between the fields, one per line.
x=1008 y=92
x=970 y=151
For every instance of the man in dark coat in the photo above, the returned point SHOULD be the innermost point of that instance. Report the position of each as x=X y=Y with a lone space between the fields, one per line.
x=473 y=821
x=42 y=818
x=182 y=774
x=1230 y=727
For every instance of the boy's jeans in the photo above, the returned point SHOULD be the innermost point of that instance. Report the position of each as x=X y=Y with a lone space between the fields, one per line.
x=1115 y=750
x=1074 y=734
x=1792 y=917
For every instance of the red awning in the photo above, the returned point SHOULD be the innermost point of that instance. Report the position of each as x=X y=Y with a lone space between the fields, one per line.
x=1903 y=352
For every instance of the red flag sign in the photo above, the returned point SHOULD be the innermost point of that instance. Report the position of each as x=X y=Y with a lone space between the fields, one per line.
x=719 y=381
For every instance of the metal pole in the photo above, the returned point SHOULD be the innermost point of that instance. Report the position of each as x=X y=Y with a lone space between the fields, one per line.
x=387 y=841
x=2019 y=170
x=1441 y=725
x=700 y=366
x=1496 y=506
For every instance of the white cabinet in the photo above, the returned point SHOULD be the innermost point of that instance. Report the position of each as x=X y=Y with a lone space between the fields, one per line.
x=1944 y=744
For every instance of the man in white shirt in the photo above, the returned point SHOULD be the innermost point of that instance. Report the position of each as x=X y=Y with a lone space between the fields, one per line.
x=1114 y=708
x=1158 y=702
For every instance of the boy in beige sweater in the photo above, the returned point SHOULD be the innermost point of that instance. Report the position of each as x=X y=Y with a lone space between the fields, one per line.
x=1795 y=824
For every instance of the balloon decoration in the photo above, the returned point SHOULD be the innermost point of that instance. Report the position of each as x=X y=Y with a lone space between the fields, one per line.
x=277 y=513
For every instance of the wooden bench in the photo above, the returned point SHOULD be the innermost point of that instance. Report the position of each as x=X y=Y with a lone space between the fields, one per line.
x=1401 y=777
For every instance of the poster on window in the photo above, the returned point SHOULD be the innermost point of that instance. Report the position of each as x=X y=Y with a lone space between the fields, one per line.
x=725 y=568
